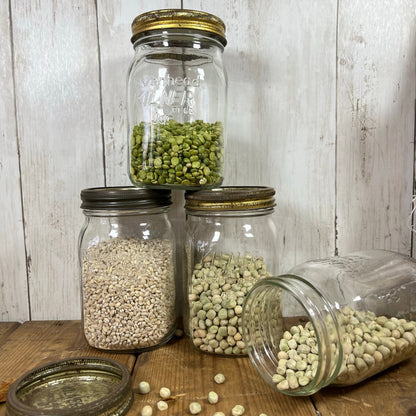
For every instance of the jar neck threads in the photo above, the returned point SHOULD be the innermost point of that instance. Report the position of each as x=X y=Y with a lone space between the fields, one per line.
x=278 y=306
x=125 y=213
x=179 y=38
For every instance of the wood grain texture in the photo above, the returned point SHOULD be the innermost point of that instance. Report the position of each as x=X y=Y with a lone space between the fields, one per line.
x=60 y=144
x=13 y=280
x=6 y=328
x=190 y=373
x=375 y=130
x=281 y=67
x=38 y=342
x=391 y=392
x=187 y=372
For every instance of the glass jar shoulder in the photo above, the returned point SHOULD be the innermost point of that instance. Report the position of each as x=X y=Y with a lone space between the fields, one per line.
x=159 y=67
x=376 y=280
x=215 y=227
x=98 y=229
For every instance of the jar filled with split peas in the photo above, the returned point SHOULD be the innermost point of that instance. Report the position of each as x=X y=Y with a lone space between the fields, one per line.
x=230 y=245
x=176 y=100
x=333 y=321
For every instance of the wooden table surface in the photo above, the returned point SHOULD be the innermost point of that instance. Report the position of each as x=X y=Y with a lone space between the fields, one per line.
x=189 y=374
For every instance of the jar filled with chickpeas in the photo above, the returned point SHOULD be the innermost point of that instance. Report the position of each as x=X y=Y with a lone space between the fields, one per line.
x=230 y=245
x=127 y=265
x=337 y=321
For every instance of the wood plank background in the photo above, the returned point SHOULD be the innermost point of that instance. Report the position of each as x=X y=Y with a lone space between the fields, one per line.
x=321 y=107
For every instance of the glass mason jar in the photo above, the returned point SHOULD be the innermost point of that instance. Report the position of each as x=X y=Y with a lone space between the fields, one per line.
x=176 y=100
x=333 y=321
x=127 y=261
x=230 y=244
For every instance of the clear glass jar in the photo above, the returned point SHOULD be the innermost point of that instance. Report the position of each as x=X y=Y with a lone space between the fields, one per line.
x=333 y=321
x=176 y=100
x=127 y=261
x=230 y=244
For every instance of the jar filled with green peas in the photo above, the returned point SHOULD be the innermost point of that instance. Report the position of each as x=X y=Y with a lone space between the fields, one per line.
x=230 y=245
x=176 y=100
x=334 y=321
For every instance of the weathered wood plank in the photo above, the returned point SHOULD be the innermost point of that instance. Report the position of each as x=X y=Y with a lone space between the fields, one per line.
x=389 y=393
x=375 y=129
x=59 y=128
x=282 y=60
x=190 y=373
x=13 y=281
x=281 y=114
x=186 y=371
x=6 y=328
x=37 y=342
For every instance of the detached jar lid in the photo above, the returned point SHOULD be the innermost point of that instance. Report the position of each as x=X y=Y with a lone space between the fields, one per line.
x=178 y=19
x=79 y=386
x=231 y=198
x=124 y=198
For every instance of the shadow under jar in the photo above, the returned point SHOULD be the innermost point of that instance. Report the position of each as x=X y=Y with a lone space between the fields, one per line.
x=127 y=261
x=337 y=321
x=176 y=100
x=230 y=245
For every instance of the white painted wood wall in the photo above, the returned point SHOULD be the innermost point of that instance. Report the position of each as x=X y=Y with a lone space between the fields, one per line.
x=321 y=107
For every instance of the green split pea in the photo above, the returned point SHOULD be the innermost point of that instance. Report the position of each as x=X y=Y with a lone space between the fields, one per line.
x=187 y=155
x=216 y=295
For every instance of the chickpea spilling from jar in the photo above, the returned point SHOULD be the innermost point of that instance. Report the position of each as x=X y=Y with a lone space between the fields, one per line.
x=218 y=287
x=370 y=344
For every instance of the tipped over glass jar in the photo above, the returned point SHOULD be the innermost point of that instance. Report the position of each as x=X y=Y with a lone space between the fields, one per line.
x=176 y=100
x=333 y=321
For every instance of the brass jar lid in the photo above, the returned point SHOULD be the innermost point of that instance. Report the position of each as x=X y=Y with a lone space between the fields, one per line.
x=231 y=198
x=178 y=19
x=84 y=386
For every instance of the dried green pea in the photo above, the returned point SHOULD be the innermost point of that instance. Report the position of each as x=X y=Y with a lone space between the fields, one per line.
x=164 y=393
x=237 y=410
x=219 y=378
x=162 y=405
x=144 y=387
x=147 y=411
x=171 y=139
x=212 y=397
x=195 y=408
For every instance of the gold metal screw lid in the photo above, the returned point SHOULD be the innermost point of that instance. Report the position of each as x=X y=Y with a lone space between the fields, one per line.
x=179 y=19
x=231 y=198
x=83 y=386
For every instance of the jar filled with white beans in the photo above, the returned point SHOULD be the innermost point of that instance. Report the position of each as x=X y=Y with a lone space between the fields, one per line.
x=333 y=321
